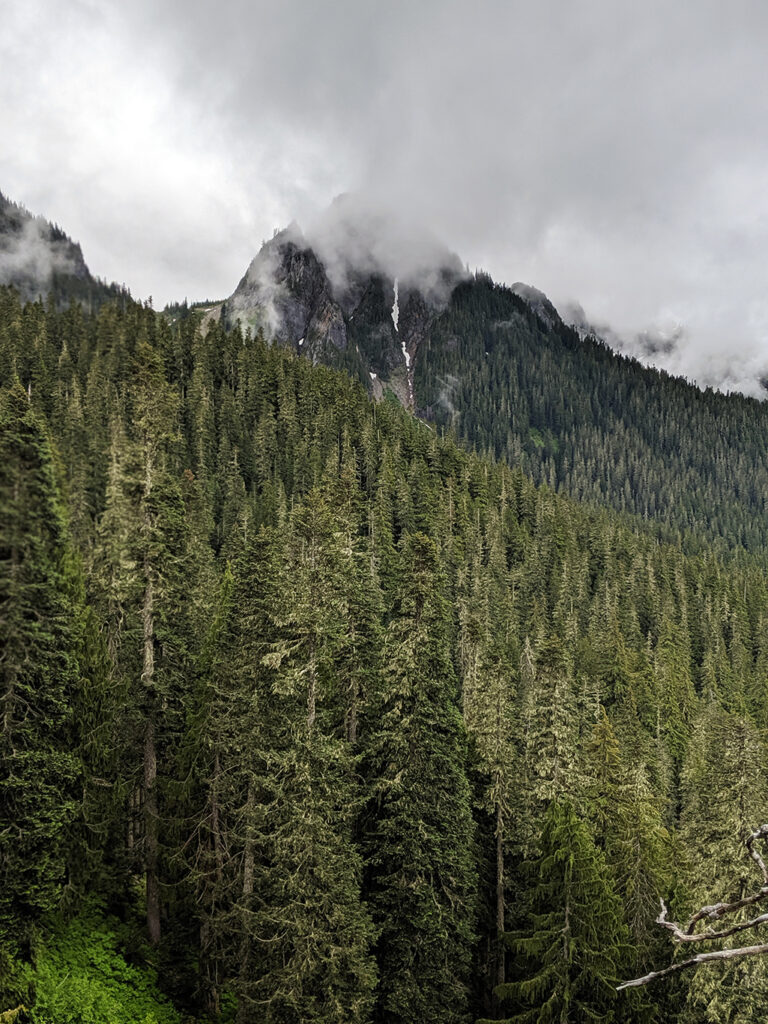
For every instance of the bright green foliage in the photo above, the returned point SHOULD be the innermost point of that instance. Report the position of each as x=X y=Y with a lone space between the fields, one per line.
x=82 y=977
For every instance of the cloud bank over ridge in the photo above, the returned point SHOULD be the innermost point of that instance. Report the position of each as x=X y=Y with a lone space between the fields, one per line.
x=605 y=153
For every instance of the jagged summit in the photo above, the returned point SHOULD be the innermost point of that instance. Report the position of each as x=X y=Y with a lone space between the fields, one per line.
x=286 y=293
x=358 y=284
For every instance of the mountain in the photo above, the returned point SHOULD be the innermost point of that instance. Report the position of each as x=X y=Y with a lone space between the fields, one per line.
x=39 y=259
x=392 y=306
x=499 y=367
x=592 y=422
x=358 y=291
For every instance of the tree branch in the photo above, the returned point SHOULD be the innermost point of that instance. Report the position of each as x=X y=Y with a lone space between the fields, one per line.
x=715 y=912
x=700 y=958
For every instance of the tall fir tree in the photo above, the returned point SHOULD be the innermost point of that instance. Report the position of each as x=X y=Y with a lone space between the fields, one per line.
x=422 y=879
x=40 y=625
x=570 y=957
x=313 y=931
x=725 y=797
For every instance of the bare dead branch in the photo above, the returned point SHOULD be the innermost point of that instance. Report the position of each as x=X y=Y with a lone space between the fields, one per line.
x=700 y=958
x=715 y=912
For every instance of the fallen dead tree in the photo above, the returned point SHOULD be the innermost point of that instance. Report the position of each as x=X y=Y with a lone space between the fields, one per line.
x=715 y=912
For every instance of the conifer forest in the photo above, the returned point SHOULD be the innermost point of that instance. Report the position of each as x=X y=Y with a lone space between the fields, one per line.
x=318 y=711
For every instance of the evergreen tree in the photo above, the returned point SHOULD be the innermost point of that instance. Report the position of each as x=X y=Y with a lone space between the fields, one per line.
x=628 y=829
x=419 y=838
x=549 y=741
x=725 y=795
x=232 y=721
x=40 y=622
x=312 y=929
x=487 y=652
x=146 y=565
x=572 y=956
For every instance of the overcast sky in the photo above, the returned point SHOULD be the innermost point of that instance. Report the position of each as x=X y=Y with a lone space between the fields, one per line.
x=610 y=152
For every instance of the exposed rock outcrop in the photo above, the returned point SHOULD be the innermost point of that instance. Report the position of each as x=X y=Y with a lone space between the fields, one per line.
x=330 y=295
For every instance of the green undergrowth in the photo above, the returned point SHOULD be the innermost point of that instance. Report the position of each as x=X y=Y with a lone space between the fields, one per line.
x=81 y=976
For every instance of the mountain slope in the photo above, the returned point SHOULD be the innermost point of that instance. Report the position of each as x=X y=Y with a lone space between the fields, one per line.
x=499 y=367
x=39 y=259
x=496 y=365
x=591 y=422
x=328 y=674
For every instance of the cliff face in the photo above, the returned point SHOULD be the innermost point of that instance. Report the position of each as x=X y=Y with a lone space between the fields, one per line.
x=339 y=303
x=286 y=294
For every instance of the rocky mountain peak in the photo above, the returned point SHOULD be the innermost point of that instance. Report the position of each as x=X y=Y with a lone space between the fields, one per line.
x=334 y=288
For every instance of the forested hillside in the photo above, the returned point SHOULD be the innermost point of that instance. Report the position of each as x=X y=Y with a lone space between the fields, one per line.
x=599 y=426
x=500 y=368
x=41 y=261
x=310 y=715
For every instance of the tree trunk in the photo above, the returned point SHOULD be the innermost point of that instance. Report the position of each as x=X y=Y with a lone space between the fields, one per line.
x=209 y=931
x=249 y=863
x=218 y=851
x=312 y=690
x=150 y=832
x=11 y=670
x=352 y=713
x=150 y=769
x=500 y=963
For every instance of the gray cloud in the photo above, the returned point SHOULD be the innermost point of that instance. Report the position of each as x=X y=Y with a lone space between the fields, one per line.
x=355 y=236
x=605 y=152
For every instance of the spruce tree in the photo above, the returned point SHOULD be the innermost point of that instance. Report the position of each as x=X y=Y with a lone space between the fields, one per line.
x=419 y=839
x=725 y=796
x=40 y=620
x=548 y=725
x=146 y=576
x=570 y=957
x=312 y=930
x=627 y=826
x=487 y=653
